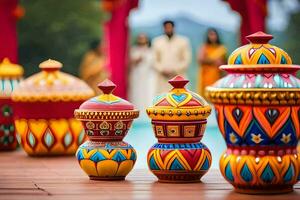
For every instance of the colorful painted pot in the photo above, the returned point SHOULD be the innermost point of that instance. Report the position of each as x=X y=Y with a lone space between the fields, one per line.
x=179 y=121
x=10 y=76
x=44 y=104
x=258 y=111
x=106 y=119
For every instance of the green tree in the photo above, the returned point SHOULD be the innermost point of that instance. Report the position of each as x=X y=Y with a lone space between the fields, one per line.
x=57 y=29
x=292 y=42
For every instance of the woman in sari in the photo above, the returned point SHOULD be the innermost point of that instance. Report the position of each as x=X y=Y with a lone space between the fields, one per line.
x=211 y=55
x=141 y=73
x=92 y=68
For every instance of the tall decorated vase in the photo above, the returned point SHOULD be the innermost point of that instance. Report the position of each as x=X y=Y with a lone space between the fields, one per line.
x=179 y=119
x=10 y=76
x=44 y=104
x=106 y=119
x=258 y=112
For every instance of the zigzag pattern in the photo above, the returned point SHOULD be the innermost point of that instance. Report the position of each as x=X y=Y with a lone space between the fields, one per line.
x=249 y=171
x=259 y=125
x=259 y=54
x=179 y=159
x=97 y=155
x=101 y=162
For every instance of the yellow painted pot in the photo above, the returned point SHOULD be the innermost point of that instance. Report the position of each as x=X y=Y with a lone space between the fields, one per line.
x=106 y=119
x=44 y=104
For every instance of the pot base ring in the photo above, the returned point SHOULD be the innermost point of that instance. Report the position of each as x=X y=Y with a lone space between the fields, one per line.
x=178 y=176
x=107 y=178
x=266 y=190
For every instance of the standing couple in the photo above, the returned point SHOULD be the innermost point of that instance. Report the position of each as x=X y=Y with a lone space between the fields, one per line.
x=152 y=67
x=170 y=55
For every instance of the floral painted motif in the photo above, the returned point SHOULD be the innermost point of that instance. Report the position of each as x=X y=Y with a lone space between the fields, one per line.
x=232 y=138
x=286 y=138
x=256 y=138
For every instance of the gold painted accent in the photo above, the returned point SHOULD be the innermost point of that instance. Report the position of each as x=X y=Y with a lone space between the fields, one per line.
x=257 y=96
x=90 y=125
x=173 y=131
x=104 y=125
x=105 y=115
x=189 y=131
x=119 y=125
x=260 y=67
x=187 y=113
x=159 y=131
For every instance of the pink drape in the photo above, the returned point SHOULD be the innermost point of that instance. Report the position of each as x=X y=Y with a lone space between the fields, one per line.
x=116 y=37
x=8 y=32
x=253 y=16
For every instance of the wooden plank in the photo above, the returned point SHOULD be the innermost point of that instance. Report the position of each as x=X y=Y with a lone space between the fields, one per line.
x=23 y=177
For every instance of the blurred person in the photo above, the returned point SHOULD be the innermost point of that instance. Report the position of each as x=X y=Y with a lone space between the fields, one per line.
x=141 y=74
x=172 y=56
x=92 y=68
x=211 y=55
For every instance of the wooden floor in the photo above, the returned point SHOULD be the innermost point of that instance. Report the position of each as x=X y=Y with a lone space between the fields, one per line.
x=23 y=177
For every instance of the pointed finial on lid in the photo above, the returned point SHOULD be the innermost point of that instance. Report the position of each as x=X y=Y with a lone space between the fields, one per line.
x=107 y=86
x=178 y=82
x=50 y=65
x=6 y=61
x=259 y=38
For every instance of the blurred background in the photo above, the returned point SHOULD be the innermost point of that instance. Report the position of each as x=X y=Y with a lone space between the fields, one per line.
x=75 y=32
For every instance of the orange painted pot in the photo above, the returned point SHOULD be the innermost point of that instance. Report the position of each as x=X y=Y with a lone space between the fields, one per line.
x=258 y=113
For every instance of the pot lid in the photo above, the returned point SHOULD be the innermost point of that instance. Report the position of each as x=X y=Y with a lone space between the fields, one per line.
x=106 y=101
x=10 y=70
x=259 y=52
x=179 y=103
x=258 y=74
x=52 y=85
x=259 y=55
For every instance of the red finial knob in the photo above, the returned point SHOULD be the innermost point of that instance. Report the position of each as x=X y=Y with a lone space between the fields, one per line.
x=107 y=86
x=178 y=82
x=259 y=38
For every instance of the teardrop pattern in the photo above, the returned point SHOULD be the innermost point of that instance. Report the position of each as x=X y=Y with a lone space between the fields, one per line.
x=228 y=173
x=81 y=137
x=40 y=137
x=31 y=140
x=68 y=139
x=268 y=175
x=247 y=171
x=49 y=139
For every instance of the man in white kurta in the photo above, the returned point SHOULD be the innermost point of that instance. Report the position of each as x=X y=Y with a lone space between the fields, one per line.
x=172 y=56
